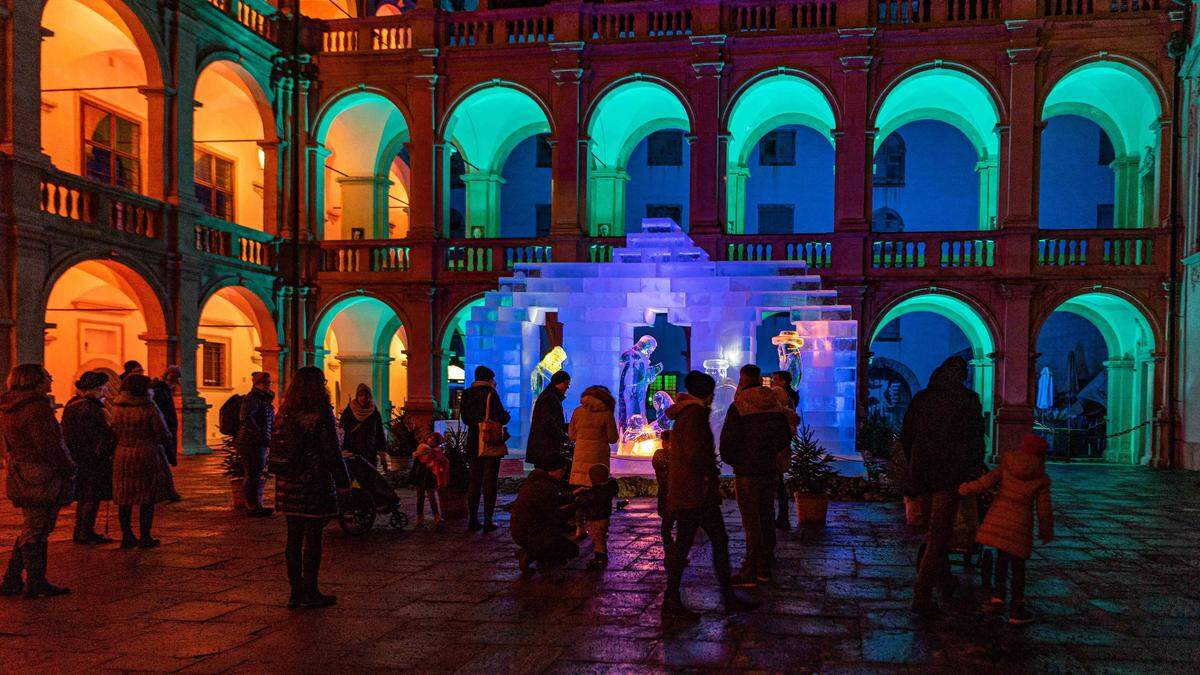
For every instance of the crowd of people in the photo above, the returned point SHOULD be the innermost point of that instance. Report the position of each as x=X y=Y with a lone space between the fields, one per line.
x=121 y=448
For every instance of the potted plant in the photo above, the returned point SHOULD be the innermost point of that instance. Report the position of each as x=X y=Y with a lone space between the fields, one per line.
x=231 y=466
x=810 y=475
x=402 y=441
x=454 y=496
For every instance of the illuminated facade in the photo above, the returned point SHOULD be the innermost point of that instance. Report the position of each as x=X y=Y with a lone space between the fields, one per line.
x=923 y=157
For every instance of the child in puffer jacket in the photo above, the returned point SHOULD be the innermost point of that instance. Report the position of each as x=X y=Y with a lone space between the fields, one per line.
x=431 y=470
x=1008 y=526
x=594 y=508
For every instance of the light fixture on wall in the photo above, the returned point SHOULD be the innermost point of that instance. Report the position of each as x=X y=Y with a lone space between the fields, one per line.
x=262 y=159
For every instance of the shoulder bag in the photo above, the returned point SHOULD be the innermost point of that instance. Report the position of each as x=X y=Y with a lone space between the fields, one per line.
x=491 y=434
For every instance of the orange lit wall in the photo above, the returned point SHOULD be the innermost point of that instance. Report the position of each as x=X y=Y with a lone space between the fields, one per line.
x=225 y=119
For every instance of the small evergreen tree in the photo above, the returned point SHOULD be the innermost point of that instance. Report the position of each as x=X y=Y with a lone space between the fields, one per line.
x=875 y=440
x=810 y=470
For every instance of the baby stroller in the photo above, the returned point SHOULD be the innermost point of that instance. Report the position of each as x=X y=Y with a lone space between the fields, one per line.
x=971 y=511
x=369 y=496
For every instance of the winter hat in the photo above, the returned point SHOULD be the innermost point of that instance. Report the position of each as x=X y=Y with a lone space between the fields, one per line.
x=598 y=474
x=93 y=379
x=1034 y=445
x=259 y=376
x=559 y=377
x=136 y=385
x=553 y=463
x=484 y=374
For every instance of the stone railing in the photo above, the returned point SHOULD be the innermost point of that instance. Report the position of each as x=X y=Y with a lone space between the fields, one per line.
x=815 y=250
x=493 y=255
x=389 y=255
x=230 y=240
x=74 y=199
x=1065 y=249
x=259 y=17
x=938 y=250
x=649 y=20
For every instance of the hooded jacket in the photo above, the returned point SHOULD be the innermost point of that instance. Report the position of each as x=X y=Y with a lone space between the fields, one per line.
x=1024 y=486
x=693 y=479
x=547 y=428
x=942 y=435
x=756 y=430
x=30 y=433
x=594 y=430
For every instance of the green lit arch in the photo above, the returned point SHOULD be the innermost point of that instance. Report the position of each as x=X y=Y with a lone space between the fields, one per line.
x=458 y=318
x=1130 y=340
x=967 y=317
x=944 y=93
x=624 y=115
x=772 y=101
x=348 y=99
x=376 y=322
x=487 y=121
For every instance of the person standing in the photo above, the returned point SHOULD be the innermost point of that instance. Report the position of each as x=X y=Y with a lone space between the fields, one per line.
x=694 y=494
x=313 y=474
x=132 y=368
x=139 y=478
x=91 y=440
x=782 y=380
x=39 y=472
x=481 y=402
x=256 y=418
x=942 y=438
x=547 y=426
x=164 y=398
x=593 y=429
x=756 y=433
x=362 y=427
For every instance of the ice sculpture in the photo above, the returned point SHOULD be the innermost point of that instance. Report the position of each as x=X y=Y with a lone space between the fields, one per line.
x=723 y=395
x=661 y=401
x=600 y=305
x=637 y=374
x=550 y=364
x=789 y=344
x=638 y=439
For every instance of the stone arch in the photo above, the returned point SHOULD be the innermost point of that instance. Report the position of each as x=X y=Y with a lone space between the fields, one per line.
x=484 y=125
x=959 y=97
x=99 y=314
x=1131 y=339
x=1126 y=103
x=622 y=115
x=455 y=322
x=354 y=130
x=354 y=338
x=767 y=102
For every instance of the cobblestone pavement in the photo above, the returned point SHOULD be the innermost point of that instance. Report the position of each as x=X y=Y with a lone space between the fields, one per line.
x=1116 y=592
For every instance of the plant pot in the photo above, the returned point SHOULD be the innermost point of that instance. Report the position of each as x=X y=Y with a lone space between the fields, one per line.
x=237 y=494
x=453 y=503
x=811 y=510
x=399 y=463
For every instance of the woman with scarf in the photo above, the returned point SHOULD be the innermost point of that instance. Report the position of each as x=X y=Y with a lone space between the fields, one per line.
x=362 y=426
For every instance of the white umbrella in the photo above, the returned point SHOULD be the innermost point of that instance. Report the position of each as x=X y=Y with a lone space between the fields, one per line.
x=1045 y=392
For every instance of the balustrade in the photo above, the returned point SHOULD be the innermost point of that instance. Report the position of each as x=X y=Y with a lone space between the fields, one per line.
x=767 y=17
x=77 y=200
x=912 y=12
x=365 y=256
x=261 y=22
x=230 y=240
x=815 y=254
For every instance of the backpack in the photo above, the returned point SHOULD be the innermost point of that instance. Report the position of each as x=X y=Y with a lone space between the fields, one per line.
x=229 y=419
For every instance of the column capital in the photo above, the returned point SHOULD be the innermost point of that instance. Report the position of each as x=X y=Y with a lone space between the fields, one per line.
x=856 y=64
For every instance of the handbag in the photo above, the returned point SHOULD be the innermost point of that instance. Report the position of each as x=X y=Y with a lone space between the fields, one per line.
x=39 y=485
x=491 y=434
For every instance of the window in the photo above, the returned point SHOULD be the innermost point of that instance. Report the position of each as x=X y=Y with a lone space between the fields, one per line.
x=111 y=148
x=544 y=151
x=542 y=218
x=664 y=148
x=672 y=211
x=778 y=148
x=776 y=218
x=886 y=220
x=889 y=163
x=457 y=168
x=214 y=184
x=668 y=382
x=1106 y=154
x=1104 y=216
x=212 y=359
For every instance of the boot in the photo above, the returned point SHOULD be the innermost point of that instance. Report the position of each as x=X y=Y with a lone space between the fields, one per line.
x=296 y=581
x=13 y=584
x=35 y=573
x=674 y=608
x=145 y=522
x=736 y=601
x=125 y=517
x=311 y=565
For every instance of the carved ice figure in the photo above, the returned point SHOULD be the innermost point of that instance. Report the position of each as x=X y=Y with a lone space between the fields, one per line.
x=661 y=401
x=722 y=396
x=788 y=344
x=637 y=374
x=550 y=364
x=638 y=439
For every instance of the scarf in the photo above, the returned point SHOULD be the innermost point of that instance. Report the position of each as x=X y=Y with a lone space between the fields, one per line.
x=361 y=412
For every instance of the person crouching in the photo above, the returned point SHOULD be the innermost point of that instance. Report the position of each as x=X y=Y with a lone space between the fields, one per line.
x=594 y=509
x=540 y=518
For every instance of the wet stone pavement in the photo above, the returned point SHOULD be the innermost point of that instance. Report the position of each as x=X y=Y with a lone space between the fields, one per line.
x=1116 y=592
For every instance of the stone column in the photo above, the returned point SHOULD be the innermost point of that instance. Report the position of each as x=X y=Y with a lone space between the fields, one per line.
x=425 y=194
x=1013 y=400
x=854 y=148
x=356 y=369
x=606 y=201
x=272 y=217
x=1125 y=198
x=316 y=156
x=418 y=349
x=483 y=203
x=706 y=195
x=1122 y=407
x=157 y=170
x=566 y=102
x=988 y=183
x=364 y=205
x=1021 y=137
x=736 y=178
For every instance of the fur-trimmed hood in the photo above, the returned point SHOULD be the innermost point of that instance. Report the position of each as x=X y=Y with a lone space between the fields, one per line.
x=755 y=400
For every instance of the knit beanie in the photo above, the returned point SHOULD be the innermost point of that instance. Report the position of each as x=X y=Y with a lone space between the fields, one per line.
x=93 y=379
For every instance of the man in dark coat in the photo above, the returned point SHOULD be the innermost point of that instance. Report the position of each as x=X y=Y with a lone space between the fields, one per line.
x=91 y=440
x=164 y=400
x=547 y=425
x=481 y=402
x=943 y=439
x=755 y=433
x=694 y=494
x=256 y=418
x=782 y=379
x=539 y=518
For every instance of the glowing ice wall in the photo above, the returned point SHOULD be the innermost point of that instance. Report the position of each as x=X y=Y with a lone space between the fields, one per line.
x=661 y=271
